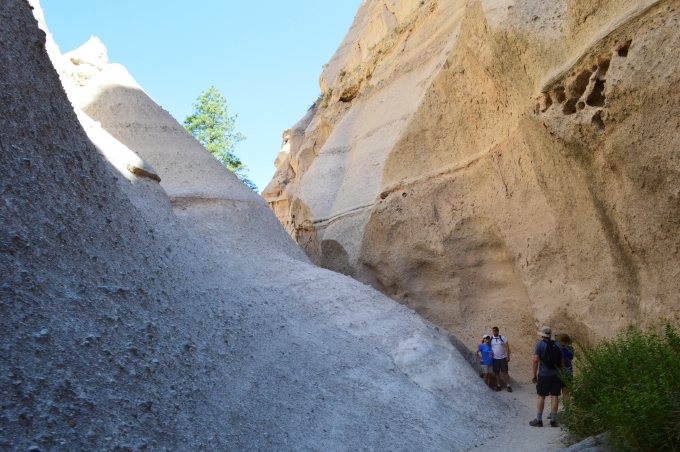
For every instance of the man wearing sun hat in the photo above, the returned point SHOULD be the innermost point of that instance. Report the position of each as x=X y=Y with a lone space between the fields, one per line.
x=545 y=376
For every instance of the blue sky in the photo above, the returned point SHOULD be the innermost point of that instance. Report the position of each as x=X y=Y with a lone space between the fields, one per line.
x=264 y=57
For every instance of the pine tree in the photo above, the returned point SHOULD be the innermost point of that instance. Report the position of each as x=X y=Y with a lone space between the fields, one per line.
x=212 y=126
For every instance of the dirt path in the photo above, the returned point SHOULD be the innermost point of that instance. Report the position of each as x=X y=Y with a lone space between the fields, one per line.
x=517 y=435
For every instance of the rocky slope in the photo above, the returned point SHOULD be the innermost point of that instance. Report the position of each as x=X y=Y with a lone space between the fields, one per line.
x=498 y=162
x=138 y=315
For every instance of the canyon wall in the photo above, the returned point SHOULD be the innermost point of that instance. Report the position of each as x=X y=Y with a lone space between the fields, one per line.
x=149 y=300
x=498 y=162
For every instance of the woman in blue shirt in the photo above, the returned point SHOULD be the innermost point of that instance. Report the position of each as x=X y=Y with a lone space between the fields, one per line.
x=485 y=355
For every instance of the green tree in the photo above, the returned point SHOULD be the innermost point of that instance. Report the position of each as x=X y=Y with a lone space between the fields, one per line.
x=212 y=126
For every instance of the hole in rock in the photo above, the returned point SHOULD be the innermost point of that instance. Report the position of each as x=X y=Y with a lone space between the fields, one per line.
x=349 y=94
x=597 y=121
x=596 y=97
x=580 y=105
x=570 y=107
x=559 y=94
x=580 y=83
x=603 y=67
x=547 y=102
x=623 y=50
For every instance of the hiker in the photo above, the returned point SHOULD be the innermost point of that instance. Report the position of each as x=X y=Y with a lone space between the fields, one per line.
x=501 y=358
x=548 y=360
x=485 y=355
x=568 y=370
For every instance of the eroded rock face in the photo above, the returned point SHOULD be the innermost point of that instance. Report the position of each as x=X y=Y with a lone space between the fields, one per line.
x=501 y=162
x=138 y=315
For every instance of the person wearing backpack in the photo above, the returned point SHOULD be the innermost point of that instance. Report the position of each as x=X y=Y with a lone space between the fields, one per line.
x=501 y=358
x=548 y=360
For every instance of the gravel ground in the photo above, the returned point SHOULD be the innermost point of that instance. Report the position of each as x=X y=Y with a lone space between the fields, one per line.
x=515 y=433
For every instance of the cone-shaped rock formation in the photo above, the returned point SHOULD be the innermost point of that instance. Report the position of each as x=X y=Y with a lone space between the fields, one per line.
x=178 y=315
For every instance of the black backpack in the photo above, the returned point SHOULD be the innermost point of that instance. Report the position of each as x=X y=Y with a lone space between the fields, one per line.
x=552 y=356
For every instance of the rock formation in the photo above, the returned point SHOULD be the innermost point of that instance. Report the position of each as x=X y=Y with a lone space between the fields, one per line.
x=178 y=315
x=506 y=162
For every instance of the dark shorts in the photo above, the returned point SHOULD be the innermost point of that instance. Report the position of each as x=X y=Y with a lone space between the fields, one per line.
x=567 y=379
x=550 y=385
x=500 y=365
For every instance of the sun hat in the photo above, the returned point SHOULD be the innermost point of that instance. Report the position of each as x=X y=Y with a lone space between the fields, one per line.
x=564 y=339
x=486 y=336
x=545 y=332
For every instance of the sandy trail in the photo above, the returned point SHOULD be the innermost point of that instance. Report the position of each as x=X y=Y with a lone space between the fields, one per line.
x=515 y=433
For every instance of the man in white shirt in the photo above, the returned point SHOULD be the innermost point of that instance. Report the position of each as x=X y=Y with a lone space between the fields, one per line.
x=501 y=358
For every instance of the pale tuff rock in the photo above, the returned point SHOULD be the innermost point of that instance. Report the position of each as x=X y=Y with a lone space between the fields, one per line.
x=92 y=53
x=50 y=45
x=181 y=316
x=119 y=155
x=85 y=62
x=498 y=162
x=76 y=70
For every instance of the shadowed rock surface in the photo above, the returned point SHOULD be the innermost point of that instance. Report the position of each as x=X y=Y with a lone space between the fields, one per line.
x=180 y=316
x=494 y=162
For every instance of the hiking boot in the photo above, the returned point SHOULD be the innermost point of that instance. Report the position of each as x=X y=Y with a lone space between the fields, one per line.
x=553 y=423
x=536 y=423
x=509 y=389
x=498 y=389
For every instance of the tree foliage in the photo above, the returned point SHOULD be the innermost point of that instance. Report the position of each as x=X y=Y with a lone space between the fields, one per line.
x=212 y=126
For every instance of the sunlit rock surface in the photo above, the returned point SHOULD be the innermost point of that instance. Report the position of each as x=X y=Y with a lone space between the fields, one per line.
x=510 y=163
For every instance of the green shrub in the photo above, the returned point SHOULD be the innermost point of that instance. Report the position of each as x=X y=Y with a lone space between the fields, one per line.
x=629 y=386
x=327 y=98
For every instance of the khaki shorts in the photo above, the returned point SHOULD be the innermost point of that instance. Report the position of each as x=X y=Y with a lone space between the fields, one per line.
x=487 y=369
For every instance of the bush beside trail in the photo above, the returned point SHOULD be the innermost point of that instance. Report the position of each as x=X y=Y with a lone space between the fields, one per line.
x=629 y=386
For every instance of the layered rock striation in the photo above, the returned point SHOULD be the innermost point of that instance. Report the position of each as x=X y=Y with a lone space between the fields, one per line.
x=166 y=309
x=490 y=162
